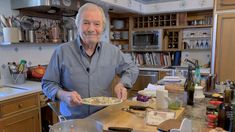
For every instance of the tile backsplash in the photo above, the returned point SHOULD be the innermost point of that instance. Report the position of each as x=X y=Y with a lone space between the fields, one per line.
x=203 y=57
x=34 y=54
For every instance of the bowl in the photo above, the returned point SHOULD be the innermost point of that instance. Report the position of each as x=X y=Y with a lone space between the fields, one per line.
x=118 y=24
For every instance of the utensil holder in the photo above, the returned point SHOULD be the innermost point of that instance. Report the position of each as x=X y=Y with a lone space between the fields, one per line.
x=10 y=35
x=18 y=78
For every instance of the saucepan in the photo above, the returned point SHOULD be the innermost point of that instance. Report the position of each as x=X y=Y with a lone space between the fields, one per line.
x=74 y=125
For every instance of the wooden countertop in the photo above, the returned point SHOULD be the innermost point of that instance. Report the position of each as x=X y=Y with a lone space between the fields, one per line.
x=114 y=116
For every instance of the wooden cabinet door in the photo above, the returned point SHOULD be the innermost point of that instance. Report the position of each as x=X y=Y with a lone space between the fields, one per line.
x=225 y=47
x=22 y=122
x=225 y=4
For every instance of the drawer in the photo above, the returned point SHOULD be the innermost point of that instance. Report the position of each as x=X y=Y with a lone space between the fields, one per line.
x=19 y=104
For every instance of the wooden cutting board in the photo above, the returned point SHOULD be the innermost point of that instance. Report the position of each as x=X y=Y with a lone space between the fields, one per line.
x=114 y=116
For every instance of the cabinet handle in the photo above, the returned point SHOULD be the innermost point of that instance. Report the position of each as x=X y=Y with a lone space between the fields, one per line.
x=20 y=105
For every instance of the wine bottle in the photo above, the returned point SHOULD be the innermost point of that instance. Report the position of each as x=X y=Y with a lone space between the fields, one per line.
x=189 y=87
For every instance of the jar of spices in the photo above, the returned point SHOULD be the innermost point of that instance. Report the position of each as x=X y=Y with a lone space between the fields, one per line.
x=212 y=120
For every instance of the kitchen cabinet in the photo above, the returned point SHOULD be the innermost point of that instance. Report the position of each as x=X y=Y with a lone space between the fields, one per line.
x=172 y=39
x=224 y=41
x=119 y=30
x=173 y=25
x=20 y=114
x=224 y=53
x=225 y=4
x=158 y=20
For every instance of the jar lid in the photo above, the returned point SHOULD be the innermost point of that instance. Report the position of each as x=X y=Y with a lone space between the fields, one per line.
x=211 y=117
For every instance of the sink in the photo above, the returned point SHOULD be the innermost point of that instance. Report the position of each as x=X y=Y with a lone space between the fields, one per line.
x=7 y=90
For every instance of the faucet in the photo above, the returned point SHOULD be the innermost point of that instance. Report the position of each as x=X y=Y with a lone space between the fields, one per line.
x=195 y=64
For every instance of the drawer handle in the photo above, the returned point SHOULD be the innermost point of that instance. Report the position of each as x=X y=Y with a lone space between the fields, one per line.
x=20 y=105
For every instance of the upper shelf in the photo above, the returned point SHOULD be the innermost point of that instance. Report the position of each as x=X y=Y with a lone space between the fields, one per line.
x=26 y=43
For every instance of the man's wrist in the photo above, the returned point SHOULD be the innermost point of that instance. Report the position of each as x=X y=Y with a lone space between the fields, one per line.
x=127 y=86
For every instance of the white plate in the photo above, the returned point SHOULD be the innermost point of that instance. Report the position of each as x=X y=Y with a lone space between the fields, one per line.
x=101 y=101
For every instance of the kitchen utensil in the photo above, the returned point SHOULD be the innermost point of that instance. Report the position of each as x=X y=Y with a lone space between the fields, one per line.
x=75 y=125
x=4 y=21
x=60 y=116
x=26 y=23
x=120 y=129
x=38 y=71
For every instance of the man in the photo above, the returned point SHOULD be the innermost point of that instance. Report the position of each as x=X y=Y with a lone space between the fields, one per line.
x=86 y=67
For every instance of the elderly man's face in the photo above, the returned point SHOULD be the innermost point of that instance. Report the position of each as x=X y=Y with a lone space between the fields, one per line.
x=91 y=26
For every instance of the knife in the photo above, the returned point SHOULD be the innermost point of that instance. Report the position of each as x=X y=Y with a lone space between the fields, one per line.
x=137 y=107
x=120 y=129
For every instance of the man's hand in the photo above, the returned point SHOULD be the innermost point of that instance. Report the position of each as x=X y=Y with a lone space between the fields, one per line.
x=120 y=91
x=71 y=98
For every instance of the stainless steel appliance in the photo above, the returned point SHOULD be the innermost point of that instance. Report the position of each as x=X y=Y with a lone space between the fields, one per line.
x=147 y=39
x=64 y=7
x=145 y=77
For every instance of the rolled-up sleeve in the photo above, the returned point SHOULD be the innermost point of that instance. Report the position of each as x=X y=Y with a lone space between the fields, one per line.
x=127 y=70
x=51 y=79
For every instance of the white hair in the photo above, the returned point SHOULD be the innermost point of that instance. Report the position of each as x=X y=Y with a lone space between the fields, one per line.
x=86 y=7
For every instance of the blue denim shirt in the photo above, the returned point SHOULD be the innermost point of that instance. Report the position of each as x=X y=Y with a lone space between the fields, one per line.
x=71 y=69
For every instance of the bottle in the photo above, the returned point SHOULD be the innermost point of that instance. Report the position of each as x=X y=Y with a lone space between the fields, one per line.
x=197 y=75
x=233 y=104
x=189 y=87
x=228 y=111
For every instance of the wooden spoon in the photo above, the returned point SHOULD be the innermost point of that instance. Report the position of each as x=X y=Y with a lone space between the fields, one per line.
x=4 y=21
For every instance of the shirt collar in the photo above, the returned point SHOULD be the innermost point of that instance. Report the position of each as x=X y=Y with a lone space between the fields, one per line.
x=81 y=47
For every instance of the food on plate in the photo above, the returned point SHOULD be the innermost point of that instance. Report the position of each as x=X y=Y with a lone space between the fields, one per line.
x=101 y=101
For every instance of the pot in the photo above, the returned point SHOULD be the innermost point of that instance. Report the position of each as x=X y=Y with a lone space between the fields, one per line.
x=77 y=125
x=74 y=125
x=38 y=71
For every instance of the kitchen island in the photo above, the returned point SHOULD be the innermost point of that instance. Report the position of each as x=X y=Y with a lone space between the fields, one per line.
x=114 y=116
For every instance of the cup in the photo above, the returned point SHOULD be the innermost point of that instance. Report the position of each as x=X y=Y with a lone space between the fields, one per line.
x=10 y=35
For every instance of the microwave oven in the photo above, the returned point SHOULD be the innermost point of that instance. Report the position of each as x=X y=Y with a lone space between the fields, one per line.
x=147 y=40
